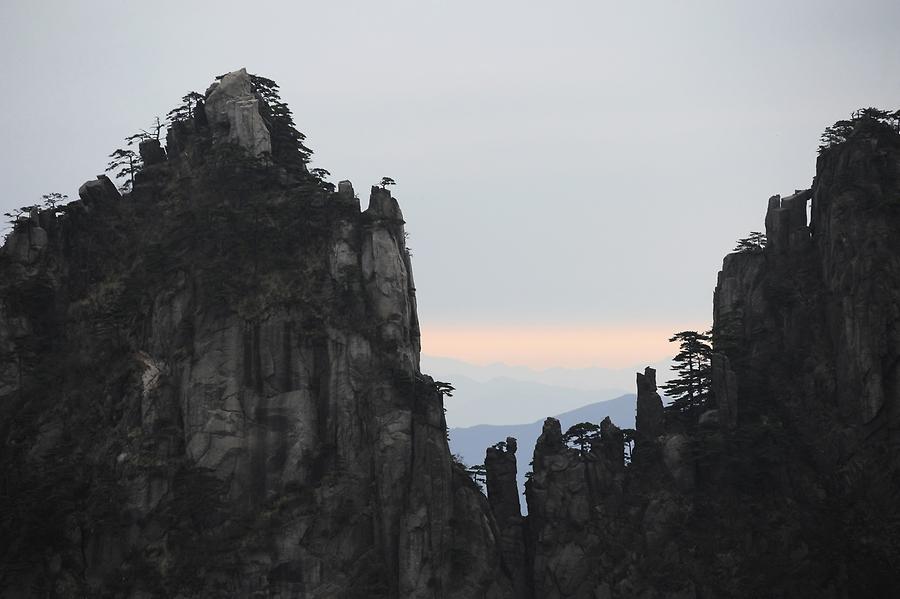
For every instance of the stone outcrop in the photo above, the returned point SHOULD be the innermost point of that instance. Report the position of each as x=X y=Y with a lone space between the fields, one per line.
x=503 y=496
x=345 y=189
x=786 y=227
x=233 y=111
x=221 y=396
x=25 y=244
x=387 y=275
x=99 y=193
x=151 y=152
x=574 y=514
x=649 y=419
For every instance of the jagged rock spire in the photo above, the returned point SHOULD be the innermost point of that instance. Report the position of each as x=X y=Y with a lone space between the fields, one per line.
x=232 y=110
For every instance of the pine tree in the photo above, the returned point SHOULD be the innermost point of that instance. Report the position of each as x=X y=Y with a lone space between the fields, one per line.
x=320 y=174
x=478 y=473
x=445 y=389
x=385 y=181
x=842 y=130
x=753 y=243
x=52 y=200
x=287 y=142
x=125 y=163
x=579 y=436
x=185 y=110
x=21 y=215
x=155 y=131
x=691 y=388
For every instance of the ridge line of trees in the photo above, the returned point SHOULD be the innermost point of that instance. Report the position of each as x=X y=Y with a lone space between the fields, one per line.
x=840 y=131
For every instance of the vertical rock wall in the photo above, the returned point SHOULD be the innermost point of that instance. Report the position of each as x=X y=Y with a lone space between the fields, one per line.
x=250 y=354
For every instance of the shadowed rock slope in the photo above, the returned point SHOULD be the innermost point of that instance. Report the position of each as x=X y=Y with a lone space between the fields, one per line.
x=210 y=387
x=787 y=484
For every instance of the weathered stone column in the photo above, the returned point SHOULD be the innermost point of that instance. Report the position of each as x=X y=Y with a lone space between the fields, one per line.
x=503 y=495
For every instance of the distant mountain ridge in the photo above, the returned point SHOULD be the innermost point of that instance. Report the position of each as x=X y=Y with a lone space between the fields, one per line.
x=499 y=394
x=587 y=379
x=470 y=443
x=504 y=401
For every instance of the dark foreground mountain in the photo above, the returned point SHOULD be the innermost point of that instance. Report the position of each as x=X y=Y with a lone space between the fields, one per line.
x=210 y=387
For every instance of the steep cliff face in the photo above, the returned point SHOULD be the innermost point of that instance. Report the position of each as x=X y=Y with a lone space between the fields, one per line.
x=787 y=483
x=818 y=309
x=211 y=387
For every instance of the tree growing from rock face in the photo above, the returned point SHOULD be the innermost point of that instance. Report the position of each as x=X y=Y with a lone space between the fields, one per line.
x=53 y=199
x=579 y=436
x=125 y=164
x=20 y=215
x=385 y=181
x=155 y=131
x=478 y=473
x=690 y=388
x=321 y=174
x=445 y=389
x=287 y=142
x=841 y=131
x=185 y=110
x=755 y=242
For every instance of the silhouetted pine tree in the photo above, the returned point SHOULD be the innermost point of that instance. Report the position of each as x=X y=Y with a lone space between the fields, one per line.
x=125 y=164
x=185 y=110
x=579 y=436
x=691 y=387
x=841 y=130
x=754 y=242
x=287 y=142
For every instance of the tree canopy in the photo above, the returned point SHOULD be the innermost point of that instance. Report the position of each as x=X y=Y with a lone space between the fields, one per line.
x=385 y=181
x=840 y=132
x=692 y=384
x=185 y=110
x=753 y=243
x=445 y=389
x=579 y=436
x=21 y=214
x=478 y=473
x=125 y=164
x=53 y=199
x=287 y=142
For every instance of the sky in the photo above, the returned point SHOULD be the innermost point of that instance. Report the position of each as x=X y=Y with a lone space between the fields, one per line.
x=571 y=173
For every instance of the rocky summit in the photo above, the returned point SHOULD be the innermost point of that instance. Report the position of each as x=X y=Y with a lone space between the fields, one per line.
x=210 y=387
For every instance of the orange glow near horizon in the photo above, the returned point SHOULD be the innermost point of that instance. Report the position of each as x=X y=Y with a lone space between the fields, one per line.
x=536 y=346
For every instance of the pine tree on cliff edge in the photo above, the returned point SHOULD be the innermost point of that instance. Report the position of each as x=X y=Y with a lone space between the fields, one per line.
x=691 y=387
x=287 y=142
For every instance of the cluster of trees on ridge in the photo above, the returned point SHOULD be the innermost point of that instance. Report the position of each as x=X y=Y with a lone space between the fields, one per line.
x=753 y=243
x=288 y=148
x=839 y=132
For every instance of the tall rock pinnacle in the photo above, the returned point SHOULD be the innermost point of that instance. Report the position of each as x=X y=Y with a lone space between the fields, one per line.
x=233 y=111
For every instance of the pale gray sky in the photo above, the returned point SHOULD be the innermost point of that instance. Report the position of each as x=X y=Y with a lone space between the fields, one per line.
x=560 y=164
